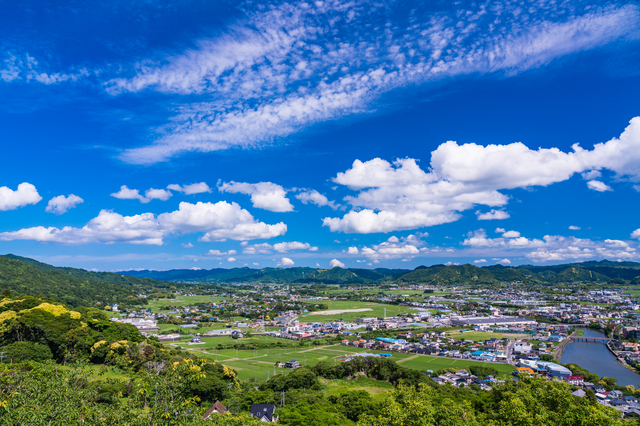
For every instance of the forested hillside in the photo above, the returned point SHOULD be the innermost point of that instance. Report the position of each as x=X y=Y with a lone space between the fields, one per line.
x=603 y=271
x=74 y=287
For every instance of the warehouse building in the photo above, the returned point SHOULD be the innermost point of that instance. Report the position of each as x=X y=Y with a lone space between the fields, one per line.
x=488 y=321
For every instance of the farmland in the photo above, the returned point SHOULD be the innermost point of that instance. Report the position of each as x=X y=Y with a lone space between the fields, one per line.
x=260 y=364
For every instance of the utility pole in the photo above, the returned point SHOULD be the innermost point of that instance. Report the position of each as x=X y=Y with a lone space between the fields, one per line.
x=282 y=400
x=2 y=357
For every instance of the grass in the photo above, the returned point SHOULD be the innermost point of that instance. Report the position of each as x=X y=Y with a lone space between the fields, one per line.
x=155 y=305
x=422 y=362
x=259 y=364
x=377 y=310
x=376 y=388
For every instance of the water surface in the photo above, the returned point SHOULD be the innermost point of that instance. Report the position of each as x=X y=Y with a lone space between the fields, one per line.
x=596 y=358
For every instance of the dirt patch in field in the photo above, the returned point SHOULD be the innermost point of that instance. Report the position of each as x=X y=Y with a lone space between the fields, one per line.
x=340 y=311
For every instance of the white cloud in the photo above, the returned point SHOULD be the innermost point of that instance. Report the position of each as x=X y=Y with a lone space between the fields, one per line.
x=231 y=259
x=553 y=247
x=127 y=193
x=335 y=263
x=353 y=250
x=314 y=197
x=61 y=204
x=402 y=196
x=636 y=234
x=511 y=234
x=286 y=262
x=257 y=81
x=504 y=261
x=266 y=248
x=218 y=222
x=493 y=215
x=480 y=261
x=500 y=231
x=187 y=245
x=592 y=174
x=596 y=185
x=264 y=195
x=24 y=195
x=26 y=68
x=574 y=228
x=194 y=188
x=293 y=245
x=157 y=194
x=221 y=253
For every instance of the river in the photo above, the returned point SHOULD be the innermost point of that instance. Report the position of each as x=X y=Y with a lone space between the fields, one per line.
x=596 y=358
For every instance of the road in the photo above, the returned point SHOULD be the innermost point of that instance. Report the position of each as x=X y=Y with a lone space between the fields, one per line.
x=509 y=352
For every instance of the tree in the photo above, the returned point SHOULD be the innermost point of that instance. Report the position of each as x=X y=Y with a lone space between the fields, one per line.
x=27 y=351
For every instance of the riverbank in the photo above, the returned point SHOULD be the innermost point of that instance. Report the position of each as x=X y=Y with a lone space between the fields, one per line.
x=599 y=359
x=557 y=354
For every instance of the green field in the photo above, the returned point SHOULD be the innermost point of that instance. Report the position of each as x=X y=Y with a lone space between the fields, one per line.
x=376 y=310
x=421 y=362
x=260 y=363
x=155 y=305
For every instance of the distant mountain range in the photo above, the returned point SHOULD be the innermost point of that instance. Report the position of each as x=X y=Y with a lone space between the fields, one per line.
x=435 y=275
x=78 y=287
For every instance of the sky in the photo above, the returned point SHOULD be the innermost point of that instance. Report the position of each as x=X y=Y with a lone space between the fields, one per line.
x=362 y=134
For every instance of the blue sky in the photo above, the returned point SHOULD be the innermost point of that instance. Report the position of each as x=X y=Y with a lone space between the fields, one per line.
x=191 y=134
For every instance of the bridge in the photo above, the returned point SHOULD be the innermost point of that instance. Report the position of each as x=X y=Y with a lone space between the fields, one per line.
x=589 y=339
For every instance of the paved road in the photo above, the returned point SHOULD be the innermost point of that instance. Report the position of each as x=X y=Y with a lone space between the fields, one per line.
x=509 y=352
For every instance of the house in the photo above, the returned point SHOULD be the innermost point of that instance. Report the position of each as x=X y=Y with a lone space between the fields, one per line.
x=217 y=408
x=264 y=412
x=574 y=380
x=522 y=347
x=292 y=364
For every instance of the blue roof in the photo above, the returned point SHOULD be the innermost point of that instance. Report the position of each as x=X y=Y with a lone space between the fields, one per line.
x=478 y=353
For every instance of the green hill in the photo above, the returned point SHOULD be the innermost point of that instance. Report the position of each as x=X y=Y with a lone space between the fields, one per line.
x=75 y=287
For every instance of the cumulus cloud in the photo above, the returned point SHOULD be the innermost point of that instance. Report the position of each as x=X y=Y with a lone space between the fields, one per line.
x=314 y=197
x=574 y=228
x=127 y=193
x=286 y=262
x=554 y=247
x=393 y=248
x=194 y=188
x=221 y=253
x=157 y=194
x=258 y=80
x=231 y=259
x=218 y=222
x=504 y=261
x=61 y=204
x=493 y=215
x=596 y=185
x=187 y=245
x=511 y=234
x=264 y=195
x=335 y=263
x=24 y=195
x=400 y=195
x=266 y=248
x=480 y=261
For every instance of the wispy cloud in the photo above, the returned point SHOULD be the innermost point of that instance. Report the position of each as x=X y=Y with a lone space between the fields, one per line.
x=291 y=65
